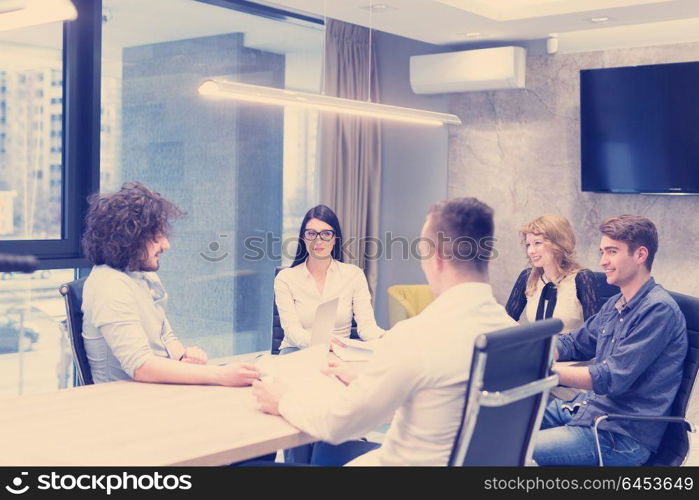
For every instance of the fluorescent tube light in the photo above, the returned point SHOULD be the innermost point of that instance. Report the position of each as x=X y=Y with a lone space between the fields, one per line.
x=22 y=13
x=282 y=97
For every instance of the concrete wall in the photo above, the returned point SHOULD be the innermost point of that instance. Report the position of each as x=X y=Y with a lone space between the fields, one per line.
x=519 y=151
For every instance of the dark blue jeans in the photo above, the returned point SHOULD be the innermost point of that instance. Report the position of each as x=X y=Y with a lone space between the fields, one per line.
x=330 y=455
x=561 y=444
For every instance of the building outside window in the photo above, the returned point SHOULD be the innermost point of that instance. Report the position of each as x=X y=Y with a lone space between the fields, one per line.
x=240 y=171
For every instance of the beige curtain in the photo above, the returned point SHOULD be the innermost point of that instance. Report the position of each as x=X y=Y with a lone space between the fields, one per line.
x=350 y=170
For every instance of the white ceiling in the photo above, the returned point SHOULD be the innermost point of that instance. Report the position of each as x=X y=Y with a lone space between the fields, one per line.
x=447 y=22
x=131 y=23
x=444 y=22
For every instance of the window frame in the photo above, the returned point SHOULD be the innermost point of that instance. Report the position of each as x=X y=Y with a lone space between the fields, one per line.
x=80 y=140
x=265 y=11
x=82 y=80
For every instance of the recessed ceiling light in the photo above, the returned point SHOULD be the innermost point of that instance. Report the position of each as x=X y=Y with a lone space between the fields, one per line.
x=378 y=7
x=473 y=34
x=601 y=19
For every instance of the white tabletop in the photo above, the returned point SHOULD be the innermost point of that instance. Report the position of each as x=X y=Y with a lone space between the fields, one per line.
x=131 y=423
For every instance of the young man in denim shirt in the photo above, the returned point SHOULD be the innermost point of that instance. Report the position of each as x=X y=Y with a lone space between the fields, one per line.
x=639 y=342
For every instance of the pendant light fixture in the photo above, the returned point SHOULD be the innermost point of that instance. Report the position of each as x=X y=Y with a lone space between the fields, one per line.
x=22 y=13
x=269 y=95
x=283 y=97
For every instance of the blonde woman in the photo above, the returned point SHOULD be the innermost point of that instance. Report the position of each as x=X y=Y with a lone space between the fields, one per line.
x=553 y=284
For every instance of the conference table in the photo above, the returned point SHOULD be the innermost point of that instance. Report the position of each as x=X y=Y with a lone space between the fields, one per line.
x=130 y=423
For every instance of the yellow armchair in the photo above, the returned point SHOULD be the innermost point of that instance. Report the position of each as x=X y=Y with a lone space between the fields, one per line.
x=406 y=301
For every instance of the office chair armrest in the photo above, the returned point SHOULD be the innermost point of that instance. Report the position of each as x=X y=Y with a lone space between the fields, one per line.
x=638 y=418
x=647 y=418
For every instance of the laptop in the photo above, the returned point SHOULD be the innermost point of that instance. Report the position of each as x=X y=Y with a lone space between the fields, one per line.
x=324 y=322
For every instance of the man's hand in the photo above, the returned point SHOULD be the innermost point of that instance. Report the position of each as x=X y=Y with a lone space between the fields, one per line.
x=268 y=395
x=195 y=355
x=237 y=374
x=340 y=370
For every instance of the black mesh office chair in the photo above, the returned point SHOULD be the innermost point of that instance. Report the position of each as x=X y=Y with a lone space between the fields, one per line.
x=511 y=376
x=73 y=295
x=674 y=446
x=605 y=291
x=278 y=331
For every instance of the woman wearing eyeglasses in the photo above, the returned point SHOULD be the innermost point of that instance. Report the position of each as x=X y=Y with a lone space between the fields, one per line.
x=317 y=275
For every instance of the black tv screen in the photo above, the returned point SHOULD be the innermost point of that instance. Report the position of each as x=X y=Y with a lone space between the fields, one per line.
x=640 y=129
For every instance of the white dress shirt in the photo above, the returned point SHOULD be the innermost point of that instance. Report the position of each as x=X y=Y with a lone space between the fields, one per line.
x=419 y=371
x=297 y=298
x=124 y=322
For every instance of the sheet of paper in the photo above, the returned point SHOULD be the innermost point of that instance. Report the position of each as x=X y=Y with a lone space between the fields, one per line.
x=324 y=322
x=300 y=369
x=352 y=353
x=354 y=343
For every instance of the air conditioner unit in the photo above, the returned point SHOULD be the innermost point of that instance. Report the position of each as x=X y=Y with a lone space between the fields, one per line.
x=468 y=70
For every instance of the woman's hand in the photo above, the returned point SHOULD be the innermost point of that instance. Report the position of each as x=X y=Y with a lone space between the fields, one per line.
x=194 y=355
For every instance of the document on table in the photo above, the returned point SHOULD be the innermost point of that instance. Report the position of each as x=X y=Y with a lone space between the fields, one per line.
x=324 y=322
x=353 y=350
x=300 y=369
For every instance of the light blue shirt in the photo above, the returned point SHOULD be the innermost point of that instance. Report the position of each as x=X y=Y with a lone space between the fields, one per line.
x=124 y=322
x=639 y=349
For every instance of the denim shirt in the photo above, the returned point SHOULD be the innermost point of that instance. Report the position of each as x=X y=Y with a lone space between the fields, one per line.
x=639 y=350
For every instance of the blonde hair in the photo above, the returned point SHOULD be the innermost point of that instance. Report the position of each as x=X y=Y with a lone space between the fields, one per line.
x=558 y=234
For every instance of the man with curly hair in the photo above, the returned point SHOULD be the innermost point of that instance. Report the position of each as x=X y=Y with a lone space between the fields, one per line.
x=127 y=335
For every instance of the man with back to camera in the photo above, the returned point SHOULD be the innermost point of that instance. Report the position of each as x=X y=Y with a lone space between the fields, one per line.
x=639 y=342
x=126 y=333
x=415 y=371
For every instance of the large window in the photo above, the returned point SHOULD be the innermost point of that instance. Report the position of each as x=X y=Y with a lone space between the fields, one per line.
x=31 y=125
x=34 y=352
x=240 y=171
x=245 y=174
x=49 y=150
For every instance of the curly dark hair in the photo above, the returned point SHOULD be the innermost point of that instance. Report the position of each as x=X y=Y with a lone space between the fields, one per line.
x=118 y=226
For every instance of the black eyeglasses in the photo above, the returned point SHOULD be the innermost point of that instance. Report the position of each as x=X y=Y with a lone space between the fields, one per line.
x=325 y=235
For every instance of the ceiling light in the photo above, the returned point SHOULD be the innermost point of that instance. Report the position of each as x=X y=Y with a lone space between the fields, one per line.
x=10 y=5
x=378 y=8
x=282 y=97
x=22 y=13
x=474 y=34
x=601 y=19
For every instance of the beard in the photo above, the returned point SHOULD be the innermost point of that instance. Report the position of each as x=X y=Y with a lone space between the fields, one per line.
x=149 y=268
x=150 y=265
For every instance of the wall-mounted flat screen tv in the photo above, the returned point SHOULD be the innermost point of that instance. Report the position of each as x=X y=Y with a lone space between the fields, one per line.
x=640 y=129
